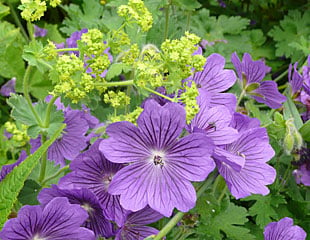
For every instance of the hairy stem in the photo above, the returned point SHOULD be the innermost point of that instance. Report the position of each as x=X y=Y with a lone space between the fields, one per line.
x=240 y=97
x=159 y=94
x=66 y=49
x=55 y=175
x=18 y=22
x=43 y=161
x=116 y=84
x=48 y=112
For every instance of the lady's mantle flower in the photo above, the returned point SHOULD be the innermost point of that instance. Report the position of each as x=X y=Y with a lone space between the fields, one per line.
x=161 y=166
x=93 y=171
x=284 y=230
x=87 y=200
x=251 y=73
x=59 y=220
x=134 y=229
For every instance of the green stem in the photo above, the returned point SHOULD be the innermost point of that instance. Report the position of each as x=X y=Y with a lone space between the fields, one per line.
x=116 y=84
x=222 y=194
x=27 y=96
x=167 y=9
x=30 y=29
x=48 y=111
x=66 y=49
x=159 y=94
x=167 y=228
x=240 y=97
x=18 y=22
x=281 y=75
x=55 y=175
x=43 y=161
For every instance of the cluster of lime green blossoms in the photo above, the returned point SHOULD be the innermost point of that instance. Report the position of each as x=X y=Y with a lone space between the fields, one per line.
x=116 y=99
x=19 y=135
x=130 y=117
x=188 y=97
x=137 y=12
x=71 y=79
x=33 y=10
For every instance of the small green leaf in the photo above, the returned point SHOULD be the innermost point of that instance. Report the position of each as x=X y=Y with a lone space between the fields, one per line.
x=21 y=110
x=290 y=111
x=12 y=184
x=189 y=5
x=264 y=208
x=4 y=10
x=116 y=69
x=28 y=195
x=305 y=131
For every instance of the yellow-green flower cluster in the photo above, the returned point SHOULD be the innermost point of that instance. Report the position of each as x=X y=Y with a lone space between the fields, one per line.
x=32 y=10
x=179 y=55
x=137 y=12
x=116 y=99
x=188 y=97
x=118 y=39
x=93 y=40
x=73 y=82
x=99 y=64
x=19 y=135
x=149 y=68
x=55 y=3
x=130 y=117
x=130 y=56
x=49 y=51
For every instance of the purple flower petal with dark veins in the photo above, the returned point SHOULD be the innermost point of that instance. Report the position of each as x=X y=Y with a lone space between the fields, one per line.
x=295 y=80
x=134 y=229
x=161 y=166
x=228 y=100
x=59 y=220
x=284 y=230
x=8 y=88
x=243 y=123
x=253 y=146
x=214 y=77
x=214 y=121
x=254 y=71
x=271 y=96
x=93 y=171
x=6 y=169
x=72 y=141
x=87 y=200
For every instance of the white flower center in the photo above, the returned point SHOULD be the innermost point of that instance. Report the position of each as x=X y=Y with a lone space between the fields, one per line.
x=37 y=237
x=158 y=158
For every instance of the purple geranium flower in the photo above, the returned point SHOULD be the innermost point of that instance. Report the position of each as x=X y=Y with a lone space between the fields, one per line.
x=213 y=121
x=8 y=88
x=93 y=171
x=215 y=80
x=39 y=32
x=295 y=80
x=6 y=169
x=302 y=175
x=161 y=166
x=87 y=200
x=284 y=230
x=134 y=229
x=251 y=73
x=252 y=151
x=58 y=220
x=71 y=142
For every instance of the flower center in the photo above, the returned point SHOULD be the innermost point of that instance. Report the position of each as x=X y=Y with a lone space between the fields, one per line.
x=107 y=180
x=158 y=158
x=37 y=237
x=211 y=126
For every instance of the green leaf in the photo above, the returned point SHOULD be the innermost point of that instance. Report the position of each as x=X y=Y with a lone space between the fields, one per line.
x=11 y=48
x=263 y=116
x=12 y=184
x=21 y=110
x=189 y=5
x=33 y=54
x=28 y=194
x=116 y=69
x=305 y=131
x=230 y=221
x=290 y=111
x=264 y=208
x=291 y=28
x=4 y=10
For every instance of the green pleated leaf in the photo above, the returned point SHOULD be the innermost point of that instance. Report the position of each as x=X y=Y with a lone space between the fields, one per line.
x=13 y=183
